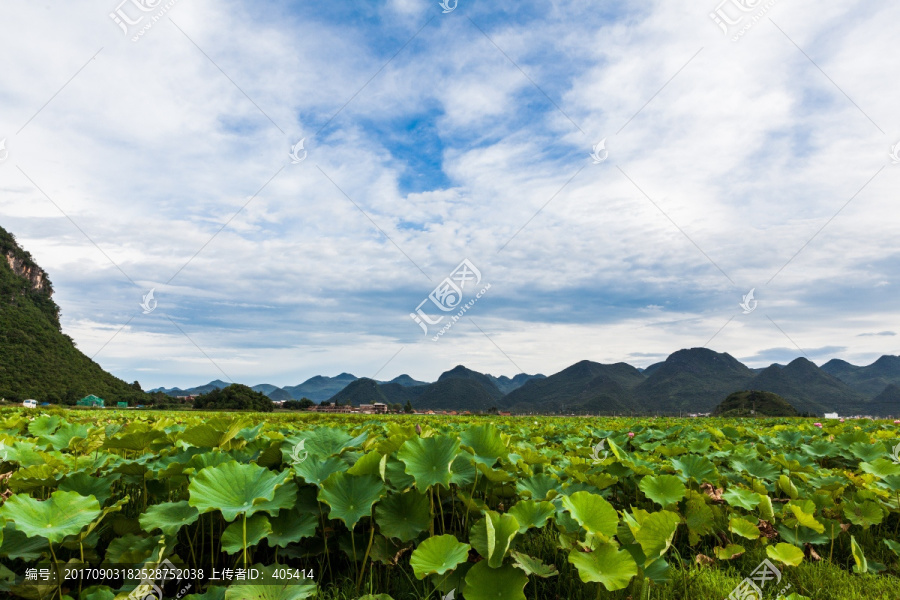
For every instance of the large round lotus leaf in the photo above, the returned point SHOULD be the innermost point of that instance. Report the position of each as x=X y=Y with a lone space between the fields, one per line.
x=785 y=553
x=44 y=425
x=322 y=442
x=486 y=443
x=211 y=435
x=234 y=488
x=463 y=469
x=285 y=497
x=592 y=512
x=86 y=485
x=695 y=467
x=16 y=544
x=403 y=516
x=728 y=552
x=428 y=460
x=533 y=566
x=65 y=513
x=258 y=528
x=169 y=517
x=740 y=497
x=530 y=513
x=539 y=486
x=743 y=528
x=137 y=441
x=291 y=526
x=492 y=536
x=607 y=564
x=656 y=533
x=438 y=554
x=663 y=489
x=271 y=588
x=315 y=471
x=505 y=583
x=350 y=497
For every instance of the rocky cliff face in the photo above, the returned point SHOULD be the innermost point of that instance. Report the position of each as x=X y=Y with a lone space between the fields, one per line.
x=21 y=267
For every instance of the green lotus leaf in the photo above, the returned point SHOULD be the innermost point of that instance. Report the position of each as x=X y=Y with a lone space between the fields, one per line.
x=323 y=442
x=881 y=468
x=539 y=486
x=859 y=558
x=234 y=489
x=867 y=451
x=864 y=514
x=44 y=425
x=894 y=546
x=271 y=588
x=371 y=463
x=607 y=565
x=350 y=497
x=291 y=526
x=213 y=592
x=376 y=597
x=663 y=489
x=168 y=517
x=86 y=485
x=97 y=592
x=806 y=518
x=485 y=443
x=16 y=544
x=428 y=460
x=656 y=533
x=741 y=497
x=211 y=435
x=757 y=468
x=533 y=566
x=743 y=528
x=728 y=552
x=530 y=513
x=438 y=554
x=504 y=583
x=258 y=528
x=785 y=553
x=131 y=549
x=463 y=469
x=64 y=436
x=787 y=486
x=492 y=536
x=403 y=516
x=137 y=441
x=315 y=471
x=285 y=497
x=63 y=514
x=592 y=512
x=694 y=467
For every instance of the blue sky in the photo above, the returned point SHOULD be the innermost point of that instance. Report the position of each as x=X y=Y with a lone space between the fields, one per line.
x=735 y=163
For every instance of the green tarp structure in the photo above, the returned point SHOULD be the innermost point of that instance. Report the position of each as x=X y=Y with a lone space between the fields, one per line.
x=122 y=404
x=91 y=400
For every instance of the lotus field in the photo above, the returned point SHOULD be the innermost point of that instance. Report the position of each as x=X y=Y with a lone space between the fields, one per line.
x=116 y=504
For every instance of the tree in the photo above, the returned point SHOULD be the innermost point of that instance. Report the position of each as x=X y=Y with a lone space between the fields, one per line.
x=137 y=386
x=408 y=408
x=395 y=407
x=301 y=404
x=235 y=397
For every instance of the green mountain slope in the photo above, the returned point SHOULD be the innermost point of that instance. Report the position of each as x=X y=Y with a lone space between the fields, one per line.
x=754 y=404
x=586 y=385
x=36 y=359
x=809 y=389
x=869 y=380
x=692 y=380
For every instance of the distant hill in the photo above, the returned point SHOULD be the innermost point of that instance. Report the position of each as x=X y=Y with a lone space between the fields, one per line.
x=320 y=388
x=461 y=372
x=810 y=389
x=37 y=360
x=272 y=391
x=578 y=387
x=692 y=380
x=888 y=401
x=869 y=380
x=406 y=381
x=361 y=391
x=754 y=403
x=506 y=385
x=455 y=393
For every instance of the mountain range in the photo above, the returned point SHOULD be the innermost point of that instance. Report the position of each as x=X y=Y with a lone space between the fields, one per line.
x=38 y=361
x=689 y=381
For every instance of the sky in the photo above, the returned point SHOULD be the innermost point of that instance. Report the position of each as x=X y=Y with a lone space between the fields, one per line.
x=401 y=186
